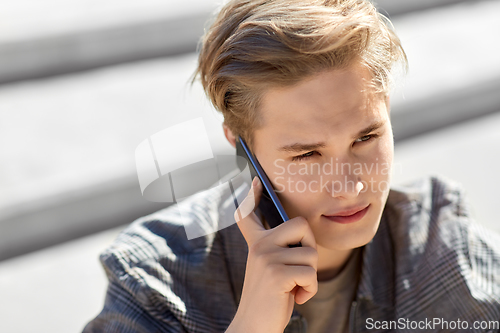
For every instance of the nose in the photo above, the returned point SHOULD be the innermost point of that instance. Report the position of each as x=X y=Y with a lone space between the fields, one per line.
x=344 y=184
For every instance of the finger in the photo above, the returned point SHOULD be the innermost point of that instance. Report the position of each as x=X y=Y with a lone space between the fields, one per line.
x=245 y=216
x=250 y=202
x=302 y=295
x=298 y=256
x=294 y=231
x=306 y=278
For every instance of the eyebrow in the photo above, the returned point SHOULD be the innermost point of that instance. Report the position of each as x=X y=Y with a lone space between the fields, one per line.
x=300 y=147
x=374 y=126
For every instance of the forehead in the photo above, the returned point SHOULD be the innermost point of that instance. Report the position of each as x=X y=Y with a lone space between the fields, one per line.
x=334 y=101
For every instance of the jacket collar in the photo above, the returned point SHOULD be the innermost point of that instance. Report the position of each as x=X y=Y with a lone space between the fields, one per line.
x=391 y=254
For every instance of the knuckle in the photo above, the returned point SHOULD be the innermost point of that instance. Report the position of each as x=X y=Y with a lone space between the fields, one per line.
x=314 y=286
x=312 y=253
x=310 y=273
x=301 y=222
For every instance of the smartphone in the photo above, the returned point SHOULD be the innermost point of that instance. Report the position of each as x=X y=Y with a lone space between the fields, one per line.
x=269 y=205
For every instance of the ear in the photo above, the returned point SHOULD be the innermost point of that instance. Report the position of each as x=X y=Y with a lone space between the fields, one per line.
x=229 y=135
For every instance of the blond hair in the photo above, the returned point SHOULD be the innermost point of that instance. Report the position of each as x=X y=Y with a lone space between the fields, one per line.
x=254 y=45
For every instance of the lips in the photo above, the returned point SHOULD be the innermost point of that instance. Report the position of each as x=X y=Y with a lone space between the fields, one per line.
x=349 y=215
x=349 y=211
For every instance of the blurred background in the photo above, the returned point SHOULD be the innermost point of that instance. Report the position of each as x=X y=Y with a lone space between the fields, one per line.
x=83 y=82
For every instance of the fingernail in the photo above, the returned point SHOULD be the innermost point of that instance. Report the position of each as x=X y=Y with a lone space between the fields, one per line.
x=254 y=182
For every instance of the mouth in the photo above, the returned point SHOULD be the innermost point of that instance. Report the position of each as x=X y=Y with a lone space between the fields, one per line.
x=349 y=216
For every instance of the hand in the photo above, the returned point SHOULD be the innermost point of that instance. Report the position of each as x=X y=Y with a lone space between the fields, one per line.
x=275 y=275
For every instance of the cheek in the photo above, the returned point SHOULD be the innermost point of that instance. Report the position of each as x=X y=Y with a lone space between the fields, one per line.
x=290 y=177
x=377 y=179
x=380 y=158
x=293 y=189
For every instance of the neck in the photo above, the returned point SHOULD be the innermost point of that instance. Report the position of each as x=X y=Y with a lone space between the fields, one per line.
x=331 y=262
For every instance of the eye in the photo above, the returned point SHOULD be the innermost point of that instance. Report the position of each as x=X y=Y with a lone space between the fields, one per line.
x=366 y=138
x=303 y=156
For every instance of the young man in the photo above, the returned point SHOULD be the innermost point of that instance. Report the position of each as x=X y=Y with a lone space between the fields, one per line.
x=306 y=84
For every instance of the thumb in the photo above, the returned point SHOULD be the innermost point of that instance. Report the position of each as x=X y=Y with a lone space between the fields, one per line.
x=245 y=216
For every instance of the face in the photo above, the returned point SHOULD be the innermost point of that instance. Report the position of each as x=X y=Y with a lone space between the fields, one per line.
x=326 y=144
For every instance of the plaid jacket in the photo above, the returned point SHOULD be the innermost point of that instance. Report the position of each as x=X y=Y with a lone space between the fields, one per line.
x=428 y=261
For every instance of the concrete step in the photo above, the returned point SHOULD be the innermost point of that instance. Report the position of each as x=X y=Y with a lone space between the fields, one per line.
x=67 y=148
x=468 y=152
x=53 y=37
x=454 y=70
x=401 y=7
x=67 y=143
x=60 y=288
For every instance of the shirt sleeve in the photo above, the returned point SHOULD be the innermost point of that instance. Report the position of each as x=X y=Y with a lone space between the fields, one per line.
x=122 y=313
x=143 y=284
x=159 y=281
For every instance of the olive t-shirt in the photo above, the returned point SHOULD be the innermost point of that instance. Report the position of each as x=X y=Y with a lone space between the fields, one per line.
x=328 y=310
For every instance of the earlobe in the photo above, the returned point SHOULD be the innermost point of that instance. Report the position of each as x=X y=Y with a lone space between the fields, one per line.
x=229 y=135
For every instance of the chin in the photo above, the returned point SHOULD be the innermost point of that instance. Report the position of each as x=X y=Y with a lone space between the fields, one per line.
x=346 y=242
x=356 y=235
